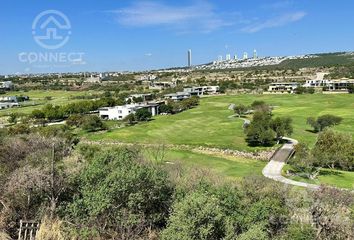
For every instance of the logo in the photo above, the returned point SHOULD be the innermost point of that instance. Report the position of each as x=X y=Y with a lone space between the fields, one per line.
x=51 y=29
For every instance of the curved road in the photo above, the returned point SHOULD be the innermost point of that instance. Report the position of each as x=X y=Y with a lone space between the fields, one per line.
x=274 y=168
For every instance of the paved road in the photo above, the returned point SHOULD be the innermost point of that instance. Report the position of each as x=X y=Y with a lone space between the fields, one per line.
x=274 y=168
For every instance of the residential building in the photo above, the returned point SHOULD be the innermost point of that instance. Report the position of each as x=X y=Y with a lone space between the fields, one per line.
x=178 y=96
x=6 y=85
x=330 y=85
x=143 y=96
x=161 y=85
x=5 y=105
x=202 y=90
x=120 y=112
x=9 y=99
x=283 y=87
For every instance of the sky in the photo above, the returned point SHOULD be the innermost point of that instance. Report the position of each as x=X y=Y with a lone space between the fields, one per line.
x=119 y=35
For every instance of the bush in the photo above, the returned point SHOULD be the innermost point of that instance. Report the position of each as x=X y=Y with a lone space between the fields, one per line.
x=92 y=123
x=143 y=114
x=118 y=193
x=198 y=216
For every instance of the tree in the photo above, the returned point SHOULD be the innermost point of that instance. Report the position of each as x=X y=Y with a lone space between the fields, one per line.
x=261 y=106
x=165 y=108
x=323 y=121
x=92 y=123
x=240 y=109
x=143 y=114
x=37 y=114
x=130 y=118
x=118 y=193
x=334 y=149
x=304 y=163
x=259 y=131
x=282 y=126
x=197 y=216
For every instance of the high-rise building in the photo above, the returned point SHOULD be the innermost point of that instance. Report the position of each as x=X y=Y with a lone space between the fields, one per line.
x=228 y=57
x=255 y=54
x=189 y=58
x=245 y=56
x=235 y=57
x=219 y=58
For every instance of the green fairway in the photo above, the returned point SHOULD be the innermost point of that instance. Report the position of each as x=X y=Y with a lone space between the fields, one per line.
x=232 y=167
x=209 y=123
x=37 y=99
x=337 y=178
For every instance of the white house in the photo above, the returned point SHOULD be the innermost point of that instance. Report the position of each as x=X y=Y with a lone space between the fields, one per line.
x=178 y=96
x=331 y=85
x=120 y=112
x=4 y=105
x=6 y=85
x=144 y=96
x=8 y=99
x=202 y=90
x=283 y=87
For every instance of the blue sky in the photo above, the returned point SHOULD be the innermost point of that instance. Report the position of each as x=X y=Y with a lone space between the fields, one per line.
x=136 y=35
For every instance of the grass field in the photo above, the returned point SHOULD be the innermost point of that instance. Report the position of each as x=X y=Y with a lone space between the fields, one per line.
x=231 y=167
x=209 y=123
x=37 y=99
x=341 y=179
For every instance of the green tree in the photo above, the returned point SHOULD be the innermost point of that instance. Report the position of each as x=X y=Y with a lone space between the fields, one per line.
x=143 y=114
x=240 y=109
x=37 y=114
x=117 y=192
x=282 y=126
x=323 y=121
x=166 y=108
x=92 y=123
x=334 y=149
x=259 y=131
x=256 y=232
x=197 y=216
x=130 y=119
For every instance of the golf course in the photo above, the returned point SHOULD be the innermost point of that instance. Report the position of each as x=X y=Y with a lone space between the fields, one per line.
x=212 y=124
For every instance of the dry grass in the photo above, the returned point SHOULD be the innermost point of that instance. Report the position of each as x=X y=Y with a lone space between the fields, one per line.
x=50 y=230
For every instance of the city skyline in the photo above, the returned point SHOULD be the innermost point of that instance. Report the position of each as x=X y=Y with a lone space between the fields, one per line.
x=142 y=35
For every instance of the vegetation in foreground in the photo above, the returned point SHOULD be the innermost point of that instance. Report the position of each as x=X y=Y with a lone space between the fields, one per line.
x=89 y=193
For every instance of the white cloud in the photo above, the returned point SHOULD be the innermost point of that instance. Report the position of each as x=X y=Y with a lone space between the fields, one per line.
x=275 y=22
x=199 y=16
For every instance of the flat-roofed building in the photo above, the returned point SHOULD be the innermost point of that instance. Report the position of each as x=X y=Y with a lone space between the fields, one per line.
x=202 y=90
x=120 y=112
x=281 y=87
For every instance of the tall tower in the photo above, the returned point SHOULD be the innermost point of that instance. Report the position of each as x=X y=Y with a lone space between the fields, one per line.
x=219 y=58
x=245 y=56
x=235 y=57
x=228 y=57
x=189 y=58
x=255 y=54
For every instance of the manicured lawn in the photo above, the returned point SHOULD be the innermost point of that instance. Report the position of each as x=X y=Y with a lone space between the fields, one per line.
x=341 y=179
x=37 y=99
x=232 y=167
x=209 y=123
